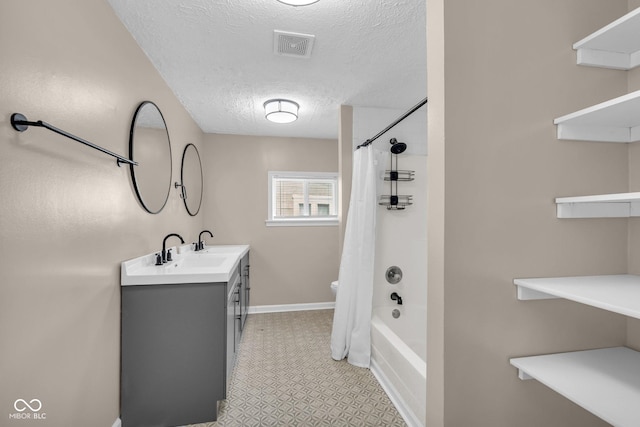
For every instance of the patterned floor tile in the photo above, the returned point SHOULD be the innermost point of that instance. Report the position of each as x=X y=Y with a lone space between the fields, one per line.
x=285 y=376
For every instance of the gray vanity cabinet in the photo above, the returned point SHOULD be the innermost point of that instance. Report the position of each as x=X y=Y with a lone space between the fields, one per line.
x=179 y=344
x=237 y=308
x=233 y=329
x=246 y=288
x=173 y=353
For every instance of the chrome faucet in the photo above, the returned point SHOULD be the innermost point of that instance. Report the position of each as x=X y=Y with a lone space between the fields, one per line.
x=200 y=244
x=396 y=297
x=164 y=245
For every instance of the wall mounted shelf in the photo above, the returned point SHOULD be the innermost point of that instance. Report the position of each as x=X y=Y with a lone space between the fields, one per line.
x=616 y=120
x=619 y=293
x=606 y=382
x=616 y=45
x=620 y=205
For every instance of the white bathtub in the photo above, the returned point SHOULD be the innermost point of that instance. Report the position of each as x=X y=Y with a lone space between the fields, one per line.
x=398 y=353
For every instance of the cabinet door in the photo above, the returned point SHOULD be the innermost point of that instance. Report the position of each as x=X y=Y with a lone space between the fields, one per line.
x=232 y=330
x=230 y=339
x=246 y=287
x=172 y=353
x=238 y=318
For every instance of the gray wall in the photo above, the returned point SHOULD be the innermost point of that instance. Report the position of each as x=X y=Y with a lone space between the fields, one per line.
x=69 y=215
x=289 y=265
x=499 y=72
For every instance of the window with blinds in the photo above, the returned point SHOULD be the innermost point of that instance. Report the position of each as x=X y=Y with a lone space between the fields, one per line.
x=303 y=198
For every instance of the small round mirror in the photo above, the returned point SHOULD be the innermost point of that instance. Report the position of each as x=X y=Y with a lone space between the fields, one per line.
x=149 y=145
x=191 y=176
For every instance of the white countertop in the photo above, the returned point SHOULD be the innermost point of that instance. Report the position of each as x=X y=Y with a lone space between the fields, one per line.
x=210 y=265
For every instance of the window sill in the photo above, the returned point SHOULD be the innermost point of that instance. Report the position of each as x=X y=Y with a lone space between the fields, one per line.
x=301 y=222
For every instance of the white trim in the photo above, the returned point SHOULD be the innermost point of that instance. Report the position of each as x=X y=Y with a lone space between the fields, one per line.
x=117 y=423
x=306 y=220
x=403 y=409
x=256 y=309
x=302 y=222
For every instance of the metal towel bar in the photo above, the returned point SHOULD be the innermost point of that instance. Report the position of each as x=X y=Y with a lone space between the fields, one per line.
x=20 y=123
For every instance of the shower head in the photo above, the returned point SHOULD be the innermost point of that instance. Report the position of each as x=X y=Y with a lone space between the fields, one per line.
x=397 y=147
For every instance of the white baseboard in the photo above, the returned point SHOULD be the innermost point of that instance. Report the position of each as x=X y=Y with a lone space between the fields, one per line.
x=117 y=423
x=291 y=307
x=405 y=412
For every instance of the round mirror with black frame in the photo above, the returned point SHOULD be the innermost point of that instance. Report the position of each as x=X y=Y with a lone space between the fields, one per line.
x=149 y=145
x=191 y=176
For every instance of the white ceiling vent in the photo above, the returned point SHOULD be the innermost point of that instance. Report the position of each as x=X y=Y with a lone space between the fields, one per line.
x=292 y=44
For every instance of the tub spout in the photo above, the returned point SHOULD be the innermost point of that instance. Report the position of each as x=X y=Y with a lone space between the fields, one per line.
x=396 y=297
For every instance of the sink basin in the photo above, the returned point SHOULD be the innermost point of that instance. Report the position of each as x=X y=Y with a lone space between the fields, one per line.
x=201 y=260
x=212 y=264
x=224 y=249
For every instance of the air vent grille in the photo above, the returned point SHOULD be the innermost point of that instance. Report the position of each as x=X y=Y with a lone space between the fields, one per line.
x=292 y=44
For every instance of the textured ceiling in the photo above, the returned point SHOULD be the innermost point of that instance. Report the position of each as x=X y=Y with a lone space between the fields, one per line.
x=217 y=57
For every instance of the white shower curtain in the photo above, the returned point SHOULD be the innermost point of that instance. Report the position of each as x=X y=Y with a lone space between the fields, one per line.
x=350 y=336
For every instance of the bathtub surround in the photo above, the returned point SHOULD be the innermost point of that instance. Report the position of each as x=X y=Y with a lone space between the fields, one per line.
x=401 y=239
x=398 y=361
x=350 y=336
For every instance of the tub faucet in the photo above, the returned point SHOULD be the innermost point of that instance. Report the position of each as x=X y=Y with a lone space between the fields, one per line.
x=200 y=244
x=164 y=245
x=396 y=297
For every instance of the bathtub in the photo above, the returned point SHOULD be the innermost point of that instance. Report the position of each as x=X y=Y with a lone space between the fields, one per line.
x=398 y=354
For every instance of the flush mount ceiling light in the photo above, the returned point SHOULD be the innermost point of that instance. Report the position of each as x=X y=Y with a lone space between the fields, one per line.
x=298 y=2
x=281 y=110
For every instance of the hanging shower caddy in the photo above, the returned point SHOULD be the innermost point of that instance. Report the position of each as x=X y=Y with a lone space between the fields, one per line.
x=395 y=201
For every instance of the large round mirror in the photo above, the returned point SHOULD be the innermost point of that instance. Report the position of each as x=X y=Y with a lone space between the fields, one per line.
x=149 y=145
x=191 y=176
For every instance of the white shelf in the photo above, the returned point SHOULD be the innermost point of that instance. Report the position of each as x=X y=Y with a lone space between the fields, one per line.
x=615 y=46
x=616 y=120
x=617 y=293
x=605 y=382
x=620 y=205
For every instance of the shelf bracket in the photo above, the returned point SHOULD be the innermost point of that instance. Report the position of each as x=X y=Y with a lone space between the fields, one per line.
x=20 y=123
x=523 y=375
x=527 y=294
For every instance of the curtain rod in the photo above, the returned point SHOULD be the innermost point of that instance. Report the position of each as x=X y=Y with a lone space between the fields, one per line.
x=398 y=120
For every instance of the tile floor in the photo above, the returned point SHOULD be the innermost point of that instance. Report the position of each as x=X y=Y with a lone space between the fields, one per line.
x=285 y=376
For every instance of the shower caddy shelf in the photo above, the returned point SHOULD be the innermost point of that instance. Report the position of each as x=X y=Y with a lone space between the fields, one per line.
x=395 y=201
x=606 y=381
x=399 y=175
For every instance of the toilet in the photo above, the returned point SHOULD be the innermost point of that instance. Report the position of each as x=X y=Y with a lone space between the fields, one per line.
x=334 y=288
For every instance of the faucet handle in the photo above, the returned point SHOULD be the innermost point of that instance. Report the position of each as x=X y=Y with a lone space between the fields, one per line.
x=158 y=259
x=169 y=255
